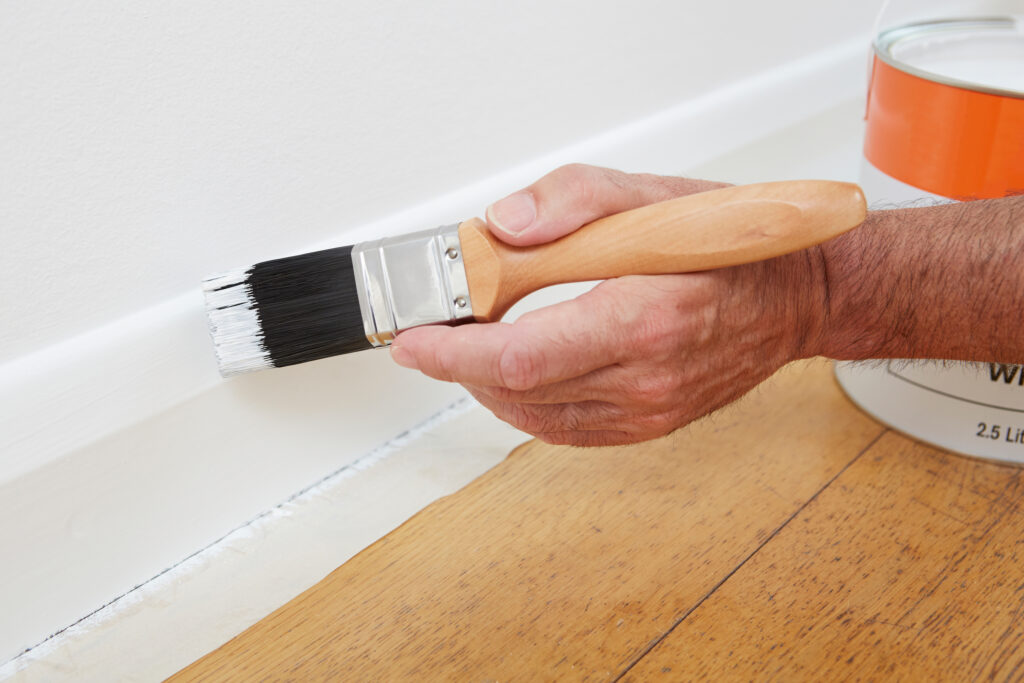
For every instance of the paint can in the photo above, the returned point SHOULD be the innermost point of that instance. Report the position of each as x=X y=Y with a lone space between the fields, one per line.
x=945 y=121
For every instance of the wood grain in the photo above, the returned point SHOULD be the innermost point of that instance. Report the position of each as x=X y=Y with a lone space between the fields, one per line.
x=910 y=566
x=701 y=231
x=562 y=563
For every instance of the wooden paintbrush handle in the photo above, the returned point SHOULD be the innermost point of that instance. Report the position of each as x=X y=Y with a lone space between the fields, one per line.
x=701 y=231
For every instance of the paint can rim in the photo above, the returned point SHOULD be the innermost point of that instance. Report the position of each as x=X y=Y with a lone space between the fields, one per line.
x=887 y=41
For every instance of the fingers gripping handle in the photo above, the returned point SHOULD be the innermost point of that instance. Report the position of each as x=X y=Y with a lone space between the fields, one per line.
x=701 y=231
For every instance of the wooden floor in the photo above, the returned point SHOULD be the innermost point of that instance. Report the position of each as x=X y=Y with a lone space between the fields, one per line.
x=787 y=537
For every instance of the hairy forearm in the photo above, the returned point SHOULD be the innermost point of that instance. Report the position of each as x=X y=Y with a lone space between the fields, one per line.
x=936 y=282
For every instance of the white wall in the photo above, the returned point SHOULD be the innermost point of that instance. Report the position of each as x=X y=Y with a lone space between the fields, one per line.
x=144 y=145
x=148 y=144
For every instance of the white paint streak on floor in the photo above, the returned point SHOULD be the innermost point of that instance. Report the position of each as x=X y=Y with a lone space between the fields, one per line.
x=180 y=615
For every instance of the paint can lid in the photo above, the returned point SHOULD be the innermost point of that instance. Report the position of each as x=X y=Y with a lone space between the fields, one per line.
x=983 y=54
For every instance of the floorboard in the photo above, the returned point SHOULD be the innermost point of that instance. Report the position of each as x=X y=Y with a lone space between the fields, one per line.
x=910 y=566
x=564 y=563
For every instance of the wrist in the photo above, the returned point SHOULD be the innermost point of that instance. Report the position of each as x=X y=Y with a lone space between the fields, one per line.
x=785 y=300
x=862 y=317
x=807 y=290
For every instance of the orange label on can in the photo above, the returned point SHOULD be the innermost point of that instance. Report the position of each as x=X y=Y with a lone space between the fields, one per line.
x=950 y=141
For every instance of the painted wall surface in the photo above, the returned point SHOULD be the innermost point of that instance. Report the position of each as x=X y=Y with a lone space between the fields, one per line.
x=145 y=145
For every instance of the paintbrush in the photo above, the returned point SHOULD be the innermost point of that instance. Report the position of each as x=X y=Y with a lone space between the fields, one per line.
x=303 y=308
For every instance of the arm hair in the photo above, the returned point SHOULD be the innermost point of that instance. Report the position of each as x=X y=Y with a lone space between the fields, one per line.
x=942 y=282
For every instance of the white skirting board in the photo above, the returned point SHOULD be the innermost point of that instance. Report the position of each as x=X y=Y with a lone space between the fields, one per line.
x=122 y=452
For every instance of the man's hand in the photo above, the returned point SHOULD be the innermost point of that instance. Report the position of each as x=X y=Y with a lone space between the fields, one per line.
x=636 y=357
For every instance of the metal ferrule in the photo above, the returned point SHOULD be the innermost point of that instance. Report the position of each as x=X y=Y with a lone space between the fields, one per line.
x=410 y=280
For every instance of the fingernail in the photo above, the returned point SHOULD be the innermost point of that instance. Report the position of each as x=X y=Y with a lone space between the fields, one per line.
x=401 y=355
x=514 y=213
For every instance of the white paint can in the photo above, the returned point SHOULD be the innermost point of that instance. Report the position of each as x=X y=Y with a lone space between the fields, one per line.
x=945 y=121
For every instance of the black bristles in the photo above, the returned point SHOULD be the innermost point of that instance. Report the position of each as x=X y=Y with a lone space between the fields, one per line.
x=307 y=306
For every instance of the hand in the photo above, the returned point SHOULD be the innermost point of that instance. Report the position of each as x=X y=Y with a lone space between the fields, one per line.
x=636 y=357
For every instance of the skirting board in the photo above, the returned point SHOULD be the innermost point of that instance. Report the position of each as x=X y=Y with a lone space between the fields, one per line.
x=81 y=414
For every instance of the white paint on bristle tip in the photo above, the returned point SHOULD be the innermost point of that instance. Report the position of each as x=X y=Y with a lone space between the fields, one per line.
x=234 y=325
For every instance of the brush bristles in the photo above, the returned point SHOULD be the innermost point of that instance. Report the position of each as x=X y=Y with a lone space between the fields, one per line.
x=286 y=311
x=234 y=323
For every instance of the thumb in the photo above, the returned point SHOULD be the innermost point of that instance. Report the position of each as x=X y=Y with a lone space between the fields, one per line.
x=574 y=195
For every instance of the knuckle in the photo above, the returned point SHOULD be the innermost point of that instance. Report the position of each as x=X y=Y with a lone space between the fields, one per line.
x=651 y=335
x=518 y=368
x=571 y=172
x=578 y=180
x=657 y=389
x=444 y=365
